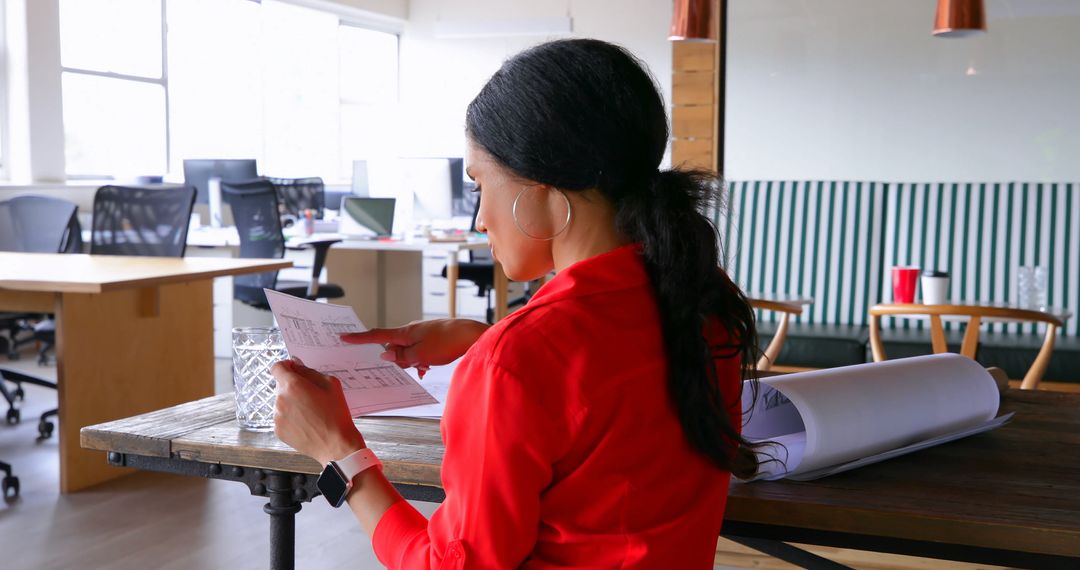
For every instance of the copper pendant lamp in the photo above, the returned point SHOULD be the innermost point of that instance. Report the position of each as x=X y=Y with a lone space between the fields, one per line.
x=690 y=20
x=959 y=18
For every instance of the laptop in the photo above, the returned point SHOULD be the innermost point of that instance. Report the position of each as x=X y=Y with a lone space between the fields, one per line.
x=366 y=218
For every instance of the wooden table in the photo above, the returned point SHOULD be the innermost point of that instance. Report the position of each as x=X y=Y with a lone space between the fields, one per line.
x=1010 y=496
x=133 y=334
x=383 y=280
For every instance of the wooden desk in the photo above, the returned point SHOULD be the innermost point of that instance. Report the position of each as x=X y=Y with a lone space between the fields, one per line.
x=383 y=280
x=1010 y=496
x=133 y=334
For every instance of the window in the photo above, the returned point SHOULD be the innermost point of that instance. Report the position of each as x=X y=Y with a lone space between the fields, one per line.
x=215 y=81
x=369 y=92
x=292 y=87
x=114 y=88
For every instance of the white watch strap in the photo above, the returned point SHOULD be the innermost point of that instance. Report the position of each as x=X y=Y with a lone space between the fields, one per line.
x=358 y=462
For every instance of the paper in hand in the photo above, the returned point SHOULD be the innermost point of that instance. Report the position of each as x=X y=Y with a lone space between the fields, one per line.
x=371 y=384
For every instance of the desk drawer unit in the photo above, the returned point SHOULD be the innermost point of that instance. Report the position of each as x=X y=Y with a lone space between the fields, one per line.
x=435 y=290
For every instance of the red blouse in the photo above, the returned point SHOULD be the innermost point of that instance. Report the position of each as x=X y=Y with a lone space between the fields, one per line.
x=563 y=448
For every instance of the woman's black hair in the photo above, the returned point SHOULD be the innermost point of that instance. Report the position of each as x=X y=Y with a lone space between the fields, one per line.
x=585 y=114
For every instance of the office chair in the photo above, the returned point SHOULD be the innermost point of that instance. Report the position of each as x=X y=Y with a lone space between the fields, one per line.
x=298 y=194
x=255 y=210
x=129 y=220
x=480 y=269
x=10 y=483
x=35 y=224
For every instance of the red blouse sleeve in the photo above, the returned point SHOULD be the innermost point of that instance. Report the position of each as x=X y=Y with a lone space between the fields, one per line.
x=502 y=437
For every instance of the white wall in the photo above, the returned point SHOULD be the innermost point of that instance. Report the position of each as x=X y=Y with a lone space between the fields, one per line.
x=439 y=77
x=859 y=89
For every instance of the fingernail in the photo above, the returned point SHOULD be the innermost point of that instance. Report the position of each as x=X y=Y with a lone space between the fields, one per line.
x=388 y=355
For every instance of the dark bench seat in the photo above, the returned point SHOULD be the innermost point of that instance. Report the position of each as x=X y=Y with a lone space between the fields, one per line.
x=827 y=346
x=815 y=345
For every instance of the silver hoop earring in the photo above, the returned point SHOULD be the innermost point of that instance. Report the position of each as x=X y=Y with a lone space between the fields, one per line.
x=514 y=211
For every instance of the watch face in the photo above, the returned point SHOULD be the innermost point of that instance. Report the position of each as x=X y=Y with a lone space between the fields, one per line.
x=332 y=485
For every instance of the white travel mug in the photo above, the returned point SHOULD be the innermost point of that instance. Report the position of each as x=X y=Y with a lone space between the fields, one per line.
x=935 y=287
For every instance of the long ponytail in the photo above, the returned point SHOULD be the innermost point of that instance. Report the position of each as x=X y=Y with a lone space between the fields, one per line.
x=682 y=258
x=585 y=114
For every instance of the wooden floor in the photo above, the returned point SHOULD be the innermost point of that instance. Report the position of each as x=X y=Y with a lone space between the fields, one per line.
x=162 y=521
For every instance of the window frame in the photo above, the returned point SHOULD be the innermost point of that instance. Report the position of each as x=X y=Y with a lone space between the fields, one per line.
x=162 y=80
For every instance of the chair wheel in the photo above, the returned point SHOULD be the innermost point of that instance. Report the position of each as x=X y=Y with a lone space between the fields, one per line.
x=45 y=429
x=10 y=487
x=20 y=395
x=14 y=416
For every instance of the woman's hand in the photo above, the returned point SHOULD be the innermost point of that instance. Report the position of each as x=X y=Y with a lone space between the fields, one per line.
x=424 y=343
x=311 y=414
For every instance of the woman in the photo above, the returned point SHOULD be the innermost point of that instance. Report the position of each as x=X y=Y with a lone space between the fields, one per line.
x=598 y=425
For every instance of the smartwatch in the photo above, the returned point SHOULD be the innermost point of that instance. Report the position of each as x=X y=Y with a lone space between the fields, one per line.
x=337 y=477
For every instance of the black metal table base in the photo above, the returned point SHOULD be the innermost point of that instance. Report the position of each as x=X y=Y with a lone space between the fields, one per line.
x=788 y=553
x=765 y=538
x=286 y=492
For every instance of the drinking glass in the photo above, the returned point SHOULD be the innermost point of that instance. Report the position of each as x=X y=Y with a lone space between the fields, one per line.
x=255 y=350
x=1031 y=286
x=1039 y=280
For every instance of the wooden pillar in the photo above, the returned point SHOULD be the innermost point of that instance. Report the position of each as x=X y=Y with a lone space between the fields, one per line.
x=697 y=98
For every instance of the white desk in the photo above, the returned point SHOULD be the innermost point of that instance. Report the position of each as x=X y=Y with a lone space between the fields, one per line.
x=383 y=280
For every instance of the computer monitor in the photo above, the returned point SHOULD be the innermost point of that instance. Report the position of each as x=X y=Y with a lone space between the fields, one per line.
x=366 y=217
x=463 y=202
x=430 y=182
x=198 y=172
x=360 y=185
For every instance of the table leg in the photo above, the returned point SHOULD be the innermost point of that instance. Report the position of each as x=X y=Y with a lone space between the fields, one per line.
x=501 y=284
x=127 y=352
x=286 y=492
x=451 y=282
x=282 y=509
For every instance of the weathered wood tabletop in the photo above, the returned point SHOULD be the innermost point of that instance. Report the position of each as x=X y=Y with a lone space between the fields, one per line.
x=1014 y=489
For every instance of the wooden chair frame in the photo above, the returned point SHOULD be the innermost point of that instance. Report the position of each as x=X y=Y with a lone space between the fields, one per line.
x=786 y=310
x=970 y=344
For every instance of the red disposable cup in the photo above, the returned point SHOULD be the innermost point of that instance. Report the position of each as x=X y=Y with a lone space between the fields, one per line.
x=904 y=281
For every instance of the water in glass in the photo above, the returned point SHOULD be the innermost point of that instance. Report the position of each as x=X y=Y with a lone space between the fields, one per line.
x=255 y=350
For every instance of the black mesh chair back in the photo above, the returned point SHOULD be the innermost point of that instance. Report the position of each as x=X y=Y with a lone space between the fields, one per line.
x=479 y=255
x=39 y=224
x=141 y=221
x=298 y=194
x=255 y=211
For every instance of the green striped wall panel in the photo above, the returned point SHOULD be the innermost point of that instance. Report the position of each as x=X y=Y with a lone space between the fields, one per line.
x=813 y=238
x=981 y=233
x=835 y=241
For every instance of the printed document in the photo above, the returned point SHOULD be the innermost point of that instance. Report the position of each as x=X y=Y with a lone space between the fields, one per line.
x=437 y=382
x=371 y=384
x=827 y=421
